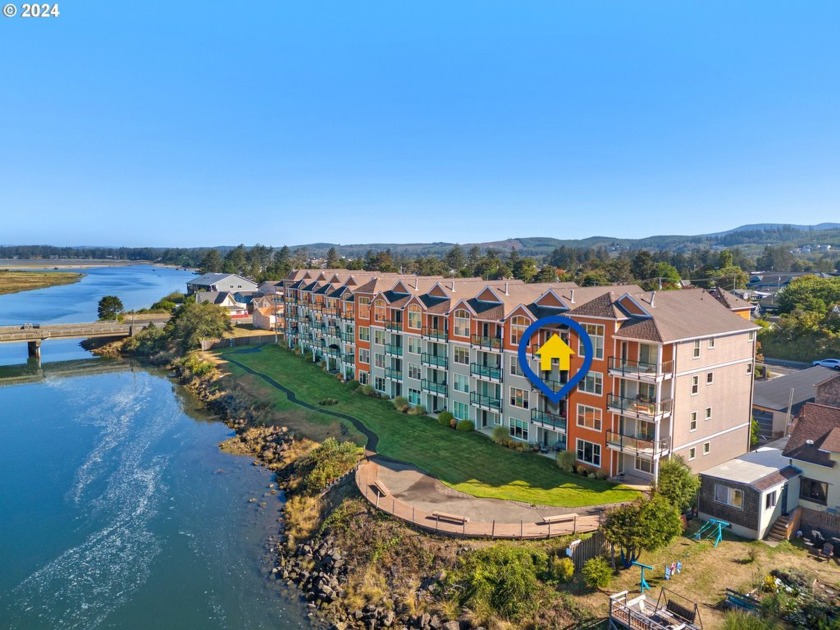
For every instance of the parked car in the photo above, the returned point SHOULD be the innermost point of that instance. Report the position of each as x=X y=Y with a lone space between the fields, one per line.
x=829 y=363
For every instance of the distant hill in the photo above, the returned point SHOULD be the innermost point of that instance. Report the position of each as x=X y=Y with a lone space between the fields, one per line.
x=751 y=237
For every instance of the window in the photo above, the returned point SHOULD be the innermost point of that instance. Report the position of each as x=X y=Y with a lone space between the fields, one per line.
x=695 y=385
x=364 y=355
x=813 y=491
x=710 y=378
x=692 y=453
x=518 y=429
x=696 y=353
x=692 y=424
x=519 y=397
x=413 y=396
x=770 y=500
x=461 y=383
x=518 y=325
x=461 y=355
x=414 y=345
x=515 y=370
x=379 y=384
x=461 y=410
x=707 y=448
x=413 y=370
x=711 y=343
x=415 y=317
x=749 y=369
x=379 y=311
x=589 y=417
x=645 y=465
x=596 y=334
x=364 y=377
x=729 y=496
x=364 y=307
x=751 y=335
x=378 y=336
x=462 y=323
x=589 y=453
x=364 y=333
x=592 y=383
x=708 y=415
x=379 y=360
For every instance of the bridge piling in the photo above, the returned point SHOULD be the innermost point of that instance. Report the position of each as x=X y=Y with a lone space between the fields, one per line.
x=35 y=350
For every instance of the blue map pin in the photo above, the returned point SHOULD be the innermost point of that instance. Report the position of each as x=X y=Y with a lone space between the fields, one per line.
x=555 y=348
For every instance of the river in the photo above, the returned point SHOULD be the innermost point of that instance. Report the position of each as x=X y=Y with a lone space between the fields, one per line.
x=117 y=509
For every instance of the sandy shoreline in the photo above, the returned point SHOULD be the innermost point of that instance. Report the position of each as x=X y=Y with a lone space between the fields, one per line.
x=72 y=263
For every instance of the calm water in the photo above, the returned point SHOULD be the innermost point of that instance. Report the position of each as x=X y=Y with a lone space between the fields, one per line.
x=117 y=510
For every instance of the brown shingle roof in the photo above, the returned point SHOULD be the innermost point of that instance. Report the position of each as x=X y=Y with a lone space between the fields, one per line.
x=817 y=425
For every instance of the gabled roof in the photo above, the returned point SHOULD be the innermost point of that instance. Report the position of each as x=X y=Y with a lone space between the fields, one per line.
x=209 y=279
x=815 y=435
x=774 y=393
x=730 y=300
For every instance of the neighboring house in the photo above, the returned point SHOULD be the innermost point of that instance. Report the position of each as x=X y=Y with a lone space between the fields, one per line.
x=220 y=282
x=238 y=311
x=773 y=396
x=814 y=448
x=672 y=371
x=828 y=391
x=750 y=491
x=734 y=302
x=264 y=318
x=271 y=287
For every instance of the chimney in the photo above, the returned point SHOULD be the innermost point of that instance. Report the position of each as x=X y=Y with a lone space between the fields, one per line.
x=453 y=286
x=653 y=299
x=573 y=296
x=416 y=282
x=506 y=289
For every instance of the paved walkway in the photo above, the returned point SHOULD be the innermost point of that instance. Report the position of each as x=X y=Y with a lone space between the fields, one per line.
x=408 y=494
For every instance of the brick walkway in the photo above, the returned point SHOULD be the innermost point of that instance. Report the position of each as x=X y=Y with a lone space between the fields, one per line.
x=413 y=496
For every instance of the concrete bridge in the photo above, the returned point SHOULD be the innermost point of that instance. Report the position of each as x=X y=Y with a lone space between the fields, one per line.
x=35 y=334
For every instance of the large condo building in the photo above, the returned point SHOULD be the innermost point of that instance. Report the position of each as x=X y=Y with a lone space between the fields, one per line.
x=672 y=371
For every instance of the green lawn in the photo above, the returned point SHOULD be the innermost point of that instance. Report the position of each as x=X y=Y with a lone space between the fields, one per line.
x=468 y=462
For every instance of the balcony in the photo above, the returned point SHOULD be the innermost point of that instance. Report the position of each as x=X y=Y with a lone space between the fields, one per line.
x=395 y=326
x=349 y=357
x=333 y=352
x=332 y=331
x=347 y=336
x=638 y=408
x=483 y=400
x=435 y=360
x=553 y=420
x=436 y=388
x=491 y=343
x=642 y=370
x=638 y=444
x=394 y=375
x=394 y=350
x=434 y=333
x=486 y=371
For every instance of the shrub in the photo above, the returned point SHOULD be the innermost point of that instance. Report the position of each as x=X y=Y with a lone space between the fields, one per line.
x=739 y=620
x=417 y=410
x=500 y=435
x=400 y=404
x=353 y=385
x=565 y=460
x=563 y=569
x=465 y=425
x=597 y=572
x=327 y=462
x=581 y=470
x=445 y=418
x=453 y=423
x=328 y=401
x=367 y=390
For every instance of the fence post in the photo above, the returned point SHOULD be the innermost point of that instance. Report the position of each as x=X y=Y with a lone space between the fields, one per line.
x=412 y=513
x=549 y=529
x=464 y=527
x=574 y=525
x=493 y=530
x=393 y=506
x=520 y=530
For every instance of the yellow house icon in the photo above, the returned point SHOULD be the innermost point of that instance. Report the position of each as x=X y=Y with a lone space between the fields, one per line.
x=554 y=348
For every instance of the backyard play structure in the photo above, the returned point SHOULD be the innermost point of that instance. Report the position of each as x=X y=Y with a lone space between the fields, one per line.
x=712 y=529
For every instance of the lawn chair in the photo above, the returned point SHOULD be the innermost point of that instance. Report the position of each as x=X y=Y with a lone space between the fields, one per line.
x=827 y=551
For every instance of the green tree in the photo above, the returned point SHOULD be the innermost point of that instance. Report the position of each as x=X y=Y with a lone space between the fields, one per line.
x=677 y=483
x=332 y=258
x=455 y=259
x=110 y=307
x=755 y=433
x=193 y=322
x=810 y=294
x=236 y=260
x=644 y=525
x=211 y=262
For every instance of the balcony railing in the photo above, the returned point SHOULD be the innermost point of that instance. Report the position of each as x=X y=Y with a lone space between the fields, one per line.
x=349 y=357
x=334 y=353
x=629 y=368
x=484 y=400
x=390 y=325
x=553 y=420
x=347 y=336
x=434 y=333
x=436 y=360
x=486 y=371
x=332 y=331
x=431 y=386
x=492 y=343
x=638 y=406
x=636 y=443
x=395 y=350
x=393 y=374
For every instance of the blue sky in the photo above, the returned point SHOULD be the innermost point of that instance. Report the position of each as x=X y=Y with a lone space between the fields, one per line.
x=204 y=123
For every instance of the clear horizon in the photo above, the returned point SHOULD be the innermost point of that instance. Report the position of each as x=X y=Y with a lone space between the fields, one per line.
x=195 y=125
